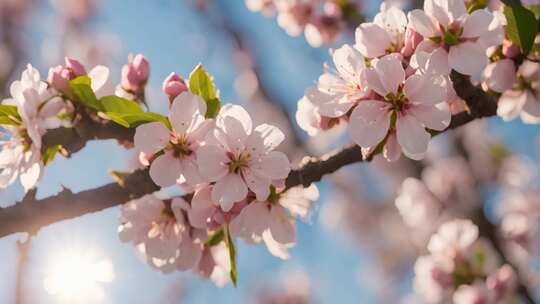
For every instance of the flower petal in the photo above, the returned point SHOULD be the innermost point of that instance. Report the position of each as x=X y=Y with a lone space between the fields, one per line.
x=500 y=75
x=237 y=112
x=391 y=72
x=422 y=23
x=425 y=89
x=369 y=123
x=260 y=185
x=212 y=161
x=372 y=40
x=165 y=170
x=187 y=111
x=282 y=225
x=477 y=23
x=101 y=84
x=229 y=190
x=412 y=136
x=274 y=165
x=151 y=137
x=435 y=117
x=202 y=208
x=468 y=58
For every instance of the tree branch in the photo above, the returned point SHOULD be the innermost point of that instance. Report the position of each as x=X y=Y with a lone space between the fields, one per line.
x=31 y=214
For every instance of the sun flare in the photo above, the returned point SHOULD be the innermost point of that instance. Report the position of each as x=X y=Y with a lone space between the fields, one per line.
x=75 y=276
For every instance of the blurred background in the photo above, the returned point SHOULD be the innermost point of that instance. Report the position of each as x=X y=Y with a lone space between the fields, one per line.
x=353 y=249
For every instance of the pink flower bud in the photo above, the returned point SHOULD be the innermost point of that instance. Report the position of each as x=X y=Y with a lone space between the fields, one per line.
x=75 y=67
x=174 y=85
x=59 y=76
x=135 y=74
x=412 y=40
x=509 y=49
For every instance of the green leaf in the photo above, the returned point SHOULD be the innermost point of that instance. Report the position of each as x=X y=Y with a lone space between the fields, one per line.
x=4 y=120
x=9 y=115
x=82 y=89
x=120 y=105
x=202 y=83
x=232 y=255
x=50 y=153
x=8 y=110
x=522 y=26
x=131 y=120
x=216 y=238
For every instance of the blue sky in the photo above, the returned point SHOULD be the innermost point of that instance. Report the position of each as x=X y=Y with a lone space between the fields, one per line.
x=175 y=38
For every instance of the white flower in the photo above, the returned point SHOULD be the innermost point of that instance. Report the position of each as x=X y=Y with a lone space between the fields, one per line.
x=155 y=228
x=179 y=145
x=273 y=220
x=336 y=94
x=416 y=103
x=240 y=157
x=446 y=24
x=524 y=98
x=39 y=110
x=386 y=34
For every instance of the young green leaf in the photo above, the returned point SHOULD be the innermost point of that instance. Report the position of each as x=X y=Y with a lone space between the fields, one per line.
x=132 y=120
x=9 y=115
x=232 y=255
x=82 y=89
x=521 y=26
x=202 y=83
x=120 y=105
x=50 y=153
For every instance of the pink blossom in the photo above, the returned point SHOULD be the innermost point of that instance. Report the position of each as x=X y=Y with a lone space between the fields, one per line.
x=524 y=98
x=336 y=94
x=174 y=85
x=206 y=213
x=386 y=34
x=157 y=229
x=240 y=157
x=500 y=76
x=179 y=145
x=416 y=102
x=38 y=109
x=273 y=220
x=135 y=73
x=412 y=40
x=59 y=77
x=446 y=24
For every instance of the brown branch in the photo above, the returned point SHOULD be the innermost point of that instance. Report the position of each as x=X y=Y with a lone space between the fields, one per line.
x=31 y=214
x=74 y=139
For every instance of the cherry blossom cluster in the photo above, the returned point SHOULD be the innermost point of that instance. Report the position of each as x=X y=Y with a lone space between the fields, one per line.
x=232 y=168
x=38 y=105
x=393 y=86
x=321 y=21
x=462 y=268
x=37 y=109
x=177 y=235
